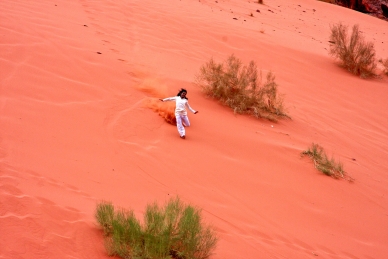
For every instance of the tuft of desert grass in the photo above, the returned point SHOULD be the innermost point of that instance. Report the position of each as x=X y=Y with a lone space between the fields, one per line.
x=174 y=231
x=355 y=54
x=322 y=162
x=242 y=88
x=104 y=216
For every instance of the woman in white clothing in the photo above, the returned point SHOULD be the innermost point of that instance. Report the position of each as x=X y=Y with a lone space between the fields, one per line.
x=180 y=111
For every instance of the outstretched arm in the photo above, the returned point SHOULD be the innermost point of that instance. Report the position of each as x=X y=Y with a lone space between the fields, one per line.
x=168 y=99
x=191 y=109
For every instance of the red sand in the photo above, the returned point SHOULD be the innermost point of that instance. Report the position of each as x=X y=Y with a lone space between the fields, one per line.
x=74 y=129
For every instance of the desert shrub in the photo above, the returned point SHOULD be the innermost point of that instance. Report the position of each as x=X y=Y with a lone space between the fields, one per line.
x=174 y=231
x=356 y=55
x=241 y=87
x=322 y=163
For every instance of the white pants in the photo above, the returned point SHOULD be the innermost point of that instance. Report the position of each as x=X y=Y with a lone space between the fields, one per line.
x=180 y=121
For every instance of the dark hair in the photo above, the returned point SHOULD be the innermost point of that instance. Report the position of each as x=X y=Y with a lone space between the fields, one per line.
x=181 y=91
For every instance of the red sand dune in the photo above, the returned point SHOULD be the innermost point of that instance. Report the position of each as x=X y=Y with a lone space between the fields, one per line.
x=74 y=128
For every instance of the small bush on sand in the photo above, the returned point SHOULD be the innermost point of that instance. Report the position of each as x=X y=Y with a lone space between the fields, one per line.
x=356 y=55
x=241 y=88
x=321 y=162
x=173 y=231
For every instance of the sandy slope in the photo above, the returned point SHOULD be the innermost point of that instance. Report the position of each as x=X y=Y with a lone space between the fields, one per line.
x=74 y=129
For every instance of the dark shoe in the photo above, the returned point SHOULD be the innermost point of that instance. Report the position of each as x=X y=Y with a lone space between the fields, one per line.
x=183 y=137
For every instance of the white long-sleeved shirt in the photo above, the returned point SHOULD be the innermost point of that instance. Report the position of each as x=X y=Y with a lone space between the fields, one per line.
x=181 y=103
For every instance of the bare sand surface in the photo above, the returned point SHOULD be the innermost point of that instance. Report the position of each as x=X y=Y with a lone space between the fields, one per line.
x=75 y=76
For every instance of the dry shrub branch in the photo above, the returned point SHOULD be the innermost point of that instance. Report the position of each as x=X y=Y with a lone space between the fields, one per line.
x=242 y=88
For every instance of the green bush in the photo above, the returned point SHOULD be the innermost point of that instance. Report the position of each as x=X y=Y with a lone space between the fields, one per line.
x=173 y=231
x=356 y=55
x=321 y=162
x=241 y=88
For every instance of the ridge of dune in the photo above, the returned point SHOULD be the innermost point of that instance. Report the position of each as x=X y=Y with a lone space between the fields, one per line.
x=75 y=79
